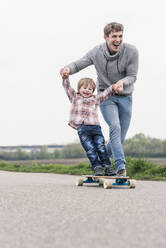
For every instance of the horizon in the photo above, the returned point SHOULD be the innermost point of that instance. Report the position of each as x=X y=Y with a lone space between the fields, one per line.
x=73 y=142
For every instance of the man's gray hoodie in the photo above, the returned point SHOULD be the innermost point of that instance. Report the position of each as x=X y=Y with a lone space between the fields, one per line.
x=111 y=68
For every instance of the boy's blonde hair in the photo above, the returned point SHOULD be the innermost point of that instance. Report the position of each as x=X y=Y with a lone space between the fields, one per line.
x=113 y=27
x=86 y=82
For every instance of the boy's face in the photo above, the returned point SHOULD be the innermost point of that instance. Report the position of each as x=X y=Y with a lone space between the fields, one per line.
x=86 y=91
x=114 y=40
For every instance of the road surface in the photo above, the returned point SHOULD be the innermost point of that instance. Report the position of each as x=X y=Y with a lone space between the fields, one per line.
x=49 y=211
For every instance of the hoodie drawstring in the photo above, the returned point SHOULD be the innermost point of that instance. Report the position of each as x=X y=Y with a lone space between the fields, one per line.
x=106 y=66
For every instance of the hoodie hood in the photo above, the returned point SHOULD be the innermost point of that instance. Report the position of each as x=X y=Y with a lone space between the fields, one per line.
x=107 y=54
x=110 y=57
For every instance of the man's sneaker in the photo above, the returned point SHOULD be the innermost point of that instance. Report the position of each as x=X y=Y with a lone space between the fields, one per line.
x=108 y=171
x=121 y=173
x=98 y=171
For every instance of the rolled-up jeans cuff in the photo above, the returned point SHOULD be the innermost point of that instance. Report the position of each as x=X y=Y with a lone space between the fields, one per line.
x=120 y=167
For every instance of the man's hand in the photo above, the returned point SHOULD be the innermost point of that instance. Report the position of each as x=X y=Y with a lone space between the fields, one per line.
x=65 y=72
x=118 y=87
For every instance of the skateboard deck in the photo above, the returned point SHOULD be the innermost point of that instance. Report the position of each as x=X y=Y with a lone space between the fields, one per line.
x=107 y=181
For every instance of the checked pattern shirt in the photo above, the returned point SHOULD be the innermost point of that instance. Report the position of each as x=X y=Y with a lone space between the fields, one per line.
x=84 y=110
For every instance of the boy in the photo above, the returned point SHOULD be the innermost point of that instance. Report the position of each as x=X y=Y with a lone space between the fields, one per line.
x=84 y=118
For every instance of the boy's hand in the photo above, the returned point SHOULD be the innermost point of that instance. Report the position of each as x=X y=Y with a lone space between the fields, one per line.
x=118 y=87
x=65 y=72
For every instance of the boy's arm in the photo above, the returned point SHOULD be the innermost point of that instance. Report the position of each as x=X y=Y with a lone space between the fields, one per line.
x=68 y=89
x=104 y=95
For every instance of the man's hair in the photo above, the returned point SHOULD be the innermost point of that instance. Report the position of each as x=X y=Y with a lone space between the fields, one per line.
x=86 y=82
x=113 y=27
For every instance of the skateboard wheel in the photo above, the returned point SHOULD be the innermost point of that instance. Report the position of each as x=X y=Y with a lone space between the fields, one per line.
x=79 y=182
x=132 y=183
x=101 y=181
x=107 y=184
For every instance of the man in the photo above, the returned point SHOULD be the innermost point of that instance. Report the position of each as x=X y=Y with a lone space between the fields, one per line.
x=116 y=64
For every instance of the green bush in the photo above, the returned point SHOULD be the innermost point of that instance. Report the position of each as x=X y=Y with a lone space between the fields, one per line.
x=136 y=168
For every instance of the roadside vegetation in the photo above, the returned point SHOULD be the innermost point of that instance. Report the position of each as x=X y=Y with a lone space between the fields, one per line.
x=138 y=146
x=136 y=168
x=135 y=148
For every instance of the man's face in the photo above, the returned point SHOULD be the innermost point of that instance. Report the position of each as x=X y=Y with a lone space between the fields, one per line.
x=114 y=40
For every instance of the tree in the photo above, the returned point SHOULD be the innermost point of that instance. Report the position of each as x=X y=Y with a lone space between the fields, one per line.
x=74 y=150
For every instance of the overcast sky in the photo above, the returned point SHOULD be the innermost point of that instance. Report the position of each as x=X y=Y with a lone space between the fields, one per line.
x=38 y=37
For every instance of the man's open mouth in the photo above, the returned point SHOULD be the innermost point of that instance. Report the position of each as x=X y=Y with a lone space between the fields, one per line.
x=116 y=45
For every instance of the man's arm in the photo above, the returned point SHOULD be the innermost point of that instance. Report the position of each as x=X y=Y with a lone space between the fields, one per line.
x=131 y=69
x=78 y=65
x=131 y=74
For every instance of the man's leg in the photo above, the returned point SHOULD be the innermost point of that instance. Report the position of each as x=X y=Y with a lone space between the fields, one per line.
x=111 y=114
x=125 y=112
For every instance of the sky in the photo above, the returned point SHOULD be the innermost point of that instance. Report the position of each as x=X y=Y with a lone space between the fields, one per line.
x=38 y=37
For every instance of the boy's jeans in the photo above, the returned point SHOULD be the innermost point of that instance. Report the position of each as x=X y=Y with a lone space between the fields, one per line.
x=93 y=142
x=116 y=111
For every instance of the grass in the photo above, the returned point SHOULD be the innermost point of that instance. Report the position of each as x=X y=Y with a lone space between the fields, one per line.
x=136 y=168
x=142 y=169
x=82 y=168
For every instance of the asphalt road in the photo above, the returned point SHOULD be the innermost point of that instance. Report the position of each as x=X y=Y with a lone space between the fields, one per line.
x=49 y=211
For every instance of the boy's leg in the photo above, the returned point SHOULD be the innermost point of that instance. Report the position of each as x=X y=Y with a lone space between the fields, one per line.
x=102 y=153
x=89 y=146
x=99 y=142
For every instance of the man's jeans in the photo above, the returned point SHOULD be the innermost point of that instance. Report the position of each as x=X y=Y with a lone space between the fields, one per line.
x=93 y=142
x=116 y=111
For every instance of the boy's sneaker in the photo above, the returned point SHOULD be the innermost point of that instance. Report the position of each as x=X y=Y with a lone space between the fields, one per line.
x=98 y=171
x=108 y=171
x=121 y=173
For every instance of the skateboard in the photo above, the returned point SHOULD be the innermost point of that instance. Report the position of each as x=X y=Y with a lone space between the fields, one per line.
x=107 y=181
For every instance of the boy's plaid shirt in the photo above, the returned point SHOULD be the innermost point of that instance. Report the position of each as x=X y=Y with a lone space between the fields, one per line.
x=84 y=110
